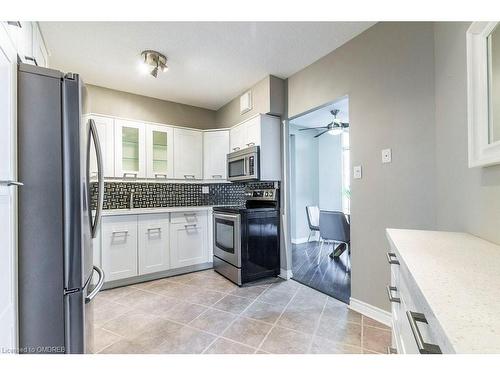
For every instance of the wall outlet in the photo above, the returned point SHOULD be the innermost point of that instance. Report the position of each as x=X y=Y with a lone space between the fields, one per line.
x=386 y=155
x=205 y=190
x=357 y=172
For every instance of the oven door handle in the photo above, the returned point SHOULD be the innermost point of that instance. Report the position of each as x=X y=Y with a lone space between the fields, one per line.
x=227 y=217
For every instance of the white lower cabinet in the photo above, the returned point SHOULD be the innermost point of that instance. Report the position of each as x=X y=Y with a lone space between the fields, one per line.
x=119 y=247
x=135 y=245
x=188 y=239
x=154 y=252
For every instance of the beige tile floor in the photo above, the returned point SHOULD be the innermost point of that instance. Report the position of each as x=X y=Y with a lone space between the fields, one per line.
x=202 y=312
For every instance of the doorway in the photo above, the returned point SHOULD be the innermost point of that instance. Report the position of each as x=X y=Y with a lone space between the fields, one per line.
x=319 y=186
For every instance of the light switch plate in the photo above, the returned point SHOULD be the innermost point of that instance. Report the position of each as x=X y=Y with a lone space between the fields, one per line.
x=205 y=190
x=357 y=172
x=386 y=155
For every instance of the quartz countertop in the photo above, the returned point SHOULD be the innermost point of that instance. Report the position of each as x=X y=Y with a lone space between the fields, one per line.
x=459 y=276
x=155 y=210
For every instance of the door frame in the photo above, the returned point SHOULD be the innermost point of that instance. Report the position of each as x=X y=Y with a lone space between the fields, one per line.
x=7 y=49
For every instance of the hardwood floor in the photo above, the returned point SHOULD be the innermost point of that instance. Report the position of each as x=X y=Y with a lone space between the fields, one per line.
x=330 y=276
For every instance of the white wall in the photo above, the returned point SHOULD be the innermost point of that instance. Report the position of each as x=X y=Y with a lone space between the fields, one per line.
x=304 y=179
x=330 y=172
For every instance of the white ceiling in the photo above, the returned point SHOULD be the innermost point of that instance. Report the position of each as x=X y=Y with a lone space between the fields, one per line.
x=322 y=116
x=210 y=63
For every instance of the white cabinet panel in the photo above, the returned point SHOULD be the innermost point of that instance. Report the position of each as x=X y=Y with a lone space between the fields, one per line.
x=105 y=131
x=188 y=243
x=253 y=132
x=25 y=47
x=130 y=149
x=119 y=247
x=154 y=252
x=39 y=51
x=188 y=154
x=159 y=151
x=215 y=150
x=237 y=137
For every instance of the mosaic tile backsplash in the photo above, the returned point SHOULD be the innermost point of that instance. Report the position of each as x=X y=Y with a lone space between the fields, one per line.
x=148 y=195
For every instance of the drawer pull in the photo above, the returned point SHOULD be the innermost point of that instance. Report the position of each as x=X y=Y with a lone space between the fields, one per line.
x=423 y=347
x=392 y=259
x=190 y=225
x=125 y=232
x=129 y=174
x=216 y=176
x=160 y=175
x=391 y=350
x=152 y=229
x=190 y=176
x=391 y=289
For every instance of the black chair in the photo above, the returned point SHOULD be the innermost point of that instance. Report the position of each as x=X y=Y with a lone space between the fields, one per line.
x=312 y=213
x=334 y=228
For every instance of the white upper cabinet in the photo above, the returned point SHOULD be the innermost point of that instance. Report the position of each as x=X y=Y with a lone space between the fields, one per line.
x=263 y=131
x=215 y=150
x=237 y=137
x=130 y=149
x=105 y=131
x=159 y=151
x=188 y=154
x=39 y=50
x=28 y=42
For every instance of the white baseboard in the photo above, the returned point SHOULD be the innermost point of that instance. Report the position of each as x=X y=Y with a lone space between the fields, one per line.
x=370 y=311
x=297 y=241
x=286 y=274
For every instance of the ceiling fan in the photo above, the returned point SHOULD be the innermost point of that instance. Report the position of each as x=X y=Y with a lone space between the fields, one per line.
x=336 y=126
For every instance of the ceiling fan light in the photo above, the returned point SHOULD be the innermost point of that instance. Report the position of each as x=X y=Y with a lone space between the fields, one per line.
x=336 y=131
x=153 y=62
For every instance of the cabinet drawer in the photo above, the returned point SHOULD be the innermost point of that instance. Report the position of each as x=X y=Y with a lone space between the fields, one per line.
x=189 y=217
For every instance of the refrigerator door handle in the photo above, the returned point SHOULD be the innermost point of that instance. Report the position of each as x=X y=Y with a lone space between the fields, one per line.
x=98 y=287
x=100 y=178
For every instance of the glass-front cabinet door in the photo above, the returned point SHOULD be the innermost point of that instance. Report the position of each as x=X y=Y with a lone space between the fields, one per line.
x=159 y=151
x=130 y=148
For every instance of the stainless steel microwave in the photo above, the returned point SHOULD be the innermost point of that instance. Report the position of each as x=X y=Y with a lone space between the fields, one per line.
x=243 y=165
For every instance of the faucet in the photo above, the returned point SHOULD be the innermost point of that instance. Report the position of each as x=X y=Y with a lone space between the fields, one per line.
x=131 y=199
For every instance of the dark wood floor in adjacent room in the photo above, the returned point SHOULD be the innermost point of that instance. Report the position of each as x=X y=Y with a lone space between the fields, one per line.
x=330 y=276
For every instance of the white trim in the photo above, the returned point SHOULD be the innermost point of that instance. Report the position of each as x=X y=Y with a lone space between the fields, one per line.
x=370 y=311
x=286 y=274
x=300 y=240
x=481 y=152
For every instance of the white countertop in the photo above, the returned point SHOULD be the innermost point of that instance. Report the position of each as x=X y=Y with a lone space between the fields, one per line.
x=459 y=276
x=156 y=210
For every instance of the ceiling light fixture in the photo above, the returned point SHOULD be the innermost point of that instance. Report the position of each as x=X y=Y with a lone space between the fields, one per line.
x=152 y=62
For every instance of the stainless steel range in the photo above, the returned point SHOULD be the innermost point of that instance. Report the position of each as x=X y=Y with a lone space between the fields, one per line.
x=246 y=238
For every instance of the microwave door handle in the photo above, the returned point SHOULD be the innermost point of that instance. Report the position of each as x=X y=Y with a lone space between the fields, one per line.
x=247 y=166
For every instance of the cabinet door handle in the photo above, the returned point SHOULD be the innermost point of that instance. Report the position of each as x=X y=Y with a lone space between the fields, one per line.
x=216 y=176
x=162 y=175
x=152 y=229
x=31 y=58
x=190 y=225
x=236 y=148
x=129 y=174
x=14 y=23
x=189 y=213
x=392 y=259
x=391 y=289
x=251 y=144
x=191 y=176
x=11 y=183
x=423 y=347
x=124 y=232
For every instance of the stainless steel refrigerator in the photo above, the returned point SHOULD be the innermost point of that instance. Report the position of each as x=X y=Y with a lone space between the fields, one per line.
x=56 y=218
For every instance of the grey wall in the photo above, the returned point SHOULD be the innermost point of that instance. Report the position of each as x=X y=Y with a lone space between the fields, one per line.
x=388 y=73
x=123 y=104
x=268 y=96
x=467 y=199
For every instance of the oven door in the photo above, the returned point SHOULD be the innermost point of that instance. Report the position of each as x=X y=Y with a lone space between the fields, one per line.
x=227 y=238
